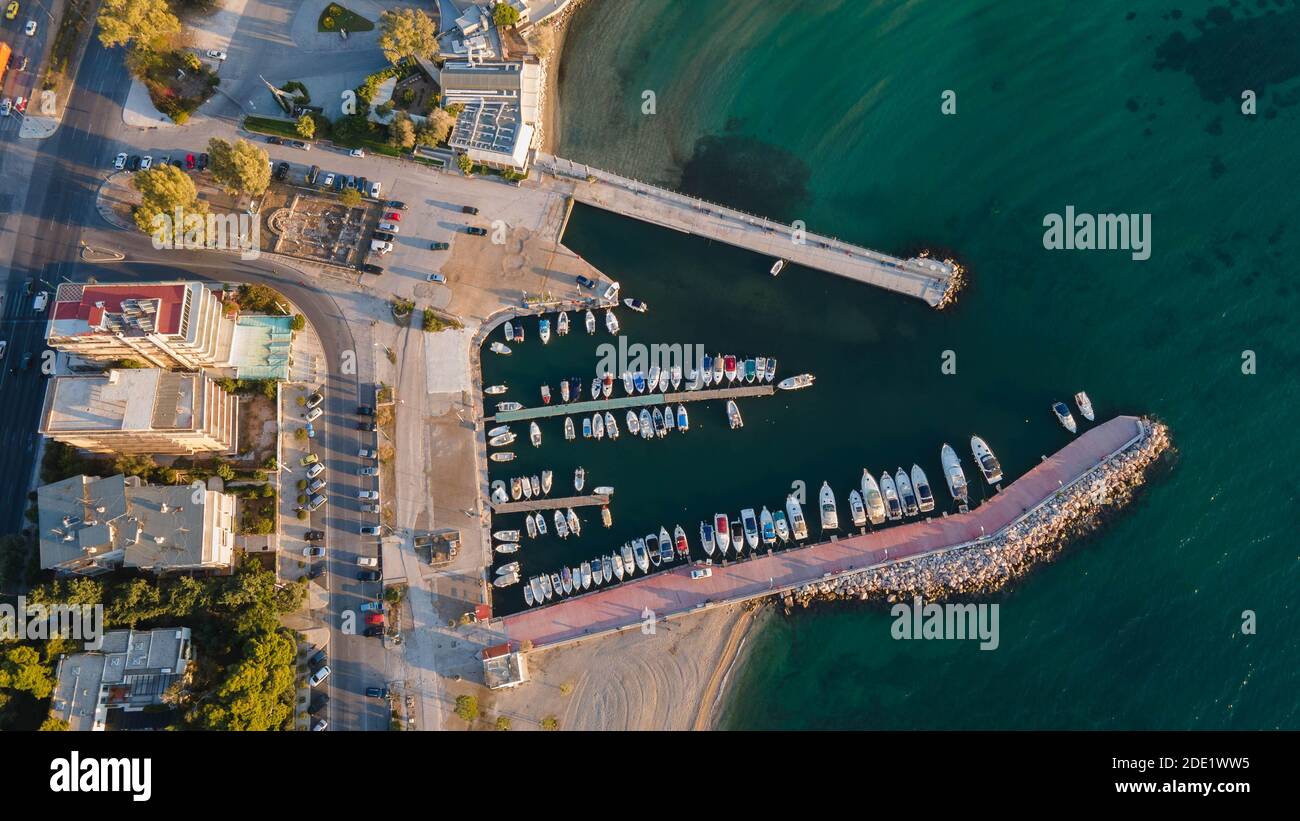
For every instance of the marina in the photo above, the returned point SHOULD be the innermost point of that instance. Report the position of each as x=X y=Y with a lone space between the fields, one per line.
x=673 y=592
x=637 y=401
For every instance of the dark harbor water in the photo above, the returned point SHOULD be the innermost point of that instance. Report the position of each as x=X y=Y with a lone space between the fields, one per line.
x=830 y=112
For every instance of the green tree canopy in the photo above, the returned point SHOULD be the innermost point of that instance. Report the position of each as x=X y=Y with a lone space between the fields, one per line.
x=163 y=189
x=401 y=132
x=438 y=128
x=505 y=15
x=143 y=23
x=306 y=127
x=407 y=33
x=239 y=167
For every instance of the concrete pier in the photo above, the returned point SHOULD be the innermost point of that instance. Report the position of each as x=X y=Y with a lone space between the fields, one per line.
x=559 y=503
x=926 y=279
x=643 y=400
x=674 y=592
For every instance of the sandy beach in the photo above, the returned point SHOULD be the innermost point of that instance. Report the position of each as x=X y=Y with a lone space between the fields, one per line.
x=551 y=107
x=632 y=681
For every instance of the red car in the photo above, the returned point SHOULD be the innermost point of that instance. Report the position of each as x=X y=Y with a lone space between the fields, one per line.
x=189 y=161
x=393 y=216
x=374 y=618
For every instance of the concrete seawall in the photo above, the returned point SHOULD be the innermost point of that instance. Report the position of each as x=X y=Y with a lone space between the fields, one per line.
x=673 y=592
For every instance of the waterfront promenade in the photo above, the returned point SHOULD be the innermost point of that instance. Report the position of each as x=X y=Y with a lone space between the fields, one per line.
x=636 y=401
x=925 y=279
x=673 y=592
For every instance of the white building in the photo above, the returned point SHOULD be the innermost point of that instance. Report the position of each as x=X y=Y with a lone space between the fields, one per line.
x=119 y=679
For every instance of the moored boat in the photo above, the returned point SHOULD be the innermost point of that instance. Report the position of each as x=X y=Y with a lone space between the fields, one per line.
x=510 y=331
x=794 y=383
x=652 y=548
x=660 y=430
x=1063 y=415
x=595 y=387
x=618 y=565
x=499 y=492
x=566 y=579
x=562 y=324
x=540 y=521
x=675 y=376
x=826 y=504
x=564 y=390
x=497 y=347
x=857 y=510
x=508 y=547
x=526 y=487
x=921 y=484
x=547 y=587
x=905 y=492
x=575 y=524
x=530 y=526
x=607 y=385
x=781 y=525
x=604 y=490
x=733 y=415
x=760 y=374
x=535 y=434
x=598 y=426
x=546 y=394
x=1085 y=405
x=988 y=463
x=535 y=584
x=561 y=526
x=737 y=534
x=519 y=331
x=953 y=474
x=706 y=371
x=638 y=382
x=628 y=387
x=611 y=322
x=665 y=545
x=722 y=532
x=556 y=585
x=596 y=575
x=569 y=432
x=767 y=526
x=546 y=481
x=502 y=456
x=495 y=390
x=506 y=535
x=591 y=322
x=777 y=267
x=750 y=522
x=633 y=426
x=706 y=538
x=544 y=330
x=528 y=595
x=683 y=421
x=669 y=421
x=798 y=525
x=499 y=430
x=871 y=497
x=505 y=407
x=771 y=369
x=640 y=552
x=719 y=367
x=579 y=478
x=606 y=518
x=751 y=370
x=679 y=541
x=585 y=570
x=647 y=424
x=536 y=486
x=506 y=580
x=729 y=367
x=629 y=559
x=586 y=428
x=636 y=305
x=652 y=384
x=607 y=569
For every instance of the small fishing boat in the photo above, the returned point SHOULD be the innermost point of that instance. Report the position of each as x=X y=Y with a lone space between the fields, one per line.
x=653 y=384
x=585 y=570
x=652 y=548
x=534 y=434
x=988 y=463
x=546 y=394
x=953 y=474
x=498 y=431
x=618 y=566
x=556 y=585
x=562 y=324
x=722 y=532
x=508 y=568
x=826 y=504
x=606 y=518
x=564 y=390
x=596 y=575
x=508 y=547
x=794 y=383
x=546 y=481
x=633 y=426
x=497 y=347
x=629 y=559
x=905 y=492
x=760 y=369
x=706 y=538
x=499 y=492
x=665 y=546
x=504 y=407
x=921 y=484
x=530 y=526
x=729 y=367
x=502 y=456
x=611 y=322
x=591 y=322
x=575 y=388
x=536 y=486
x=540 y=521
x=737 y=535
x=893 y=507
x=777 y=267
x=579 y=479
x=611 y=425
x=598 y=426
x=719 y=367
x=528 y=595
x=872 y=498
x=527 y=488
x=676 y=376
x=561 y=526
x=661 y=430
x=692 y=380
x=586 y=428
x=670 y=420
x=771 y=369
x=798 y=526
x=733 y=415
x=502 y=440
x=535 y=584
x=782 y=526
x=575 y=524
x=750 y=522
x=767 y=527
x=604 y=490
x=506 y=580
x=1063 y=415
x=568 y=428
x=641 y=554
x=647 y=424
x=607 y=385
x=706 y=370
x=638 y=382
x=1085 y=405
x=506 y=535
x=495 y=390
x=595 y=387
x=509 y=331
x=683 y=421
x=544 y=330
x=857 y=510
x=636 y=305
x=519 y=332
x=607 y=569
x=679 y=541
x=628 y=387
x=516 y=489
x=751 y=369
x=547 y=587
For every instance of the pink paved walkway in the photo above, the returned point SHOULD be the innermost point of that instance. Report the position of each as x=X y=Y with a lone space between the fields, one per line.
x=673 y=592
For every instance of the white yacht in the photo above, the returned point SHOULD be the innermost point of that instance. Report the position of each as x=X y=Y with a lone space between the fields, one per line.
x=591 y=322
x=826 y=504
x=1085 y=405
x=871 y=497
x=535 y=434
x=953 y=474
x=794 y=383
x=921 y=484
x=857 y=510
x=905 y=492
x=794 y=510
x=1063 y=415
x=893 y=507
x=988 y=463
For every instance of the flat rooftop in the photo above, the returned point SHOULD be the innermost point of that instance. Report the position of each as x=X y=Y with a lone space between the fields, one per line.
x=121 y=400
x=126 y=308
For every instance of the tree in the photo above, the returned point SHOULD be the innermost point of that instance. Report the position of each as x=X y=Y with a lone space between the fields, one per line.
x=407 y=33
x=144 y=23
x=401 y=132
x=503 y=723
x=437 y=129
x=465 y=164
x=22 y=669
x=505 y=15
x=225 y=471
x=239 y=168
x=306 y=127
x=139 y=464
x=550 y=723
x=467 y=707
x=350 y=197
x=298 y=322
x=163 y=190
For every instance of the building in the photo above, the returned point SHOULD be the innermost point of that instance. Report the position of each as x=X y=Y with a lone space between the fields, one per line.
x=503 y=668
x=120 y=681
x=502 y=105
x=180 y=325
x=152 y=411
x=90 y=525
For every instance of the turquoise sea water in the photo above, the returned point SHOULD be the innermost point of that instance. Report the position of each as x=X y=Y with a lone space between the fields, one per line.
x=830 y=112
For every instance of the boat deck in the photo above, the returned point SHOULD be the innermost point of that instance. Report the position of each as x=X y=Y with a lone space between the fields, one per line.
x=526 y=505
x=638 y=401
x=673 y=592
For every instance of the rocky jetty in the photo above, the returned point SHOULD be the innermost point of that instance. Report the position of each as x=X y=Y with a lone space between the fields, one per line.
x=989 y=564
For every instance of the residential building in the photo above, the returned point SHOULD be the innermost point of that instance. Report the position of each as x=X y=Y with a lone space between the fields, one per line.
x=180 y=325
x=90 y=525
x=121 y=680
x=152 y=411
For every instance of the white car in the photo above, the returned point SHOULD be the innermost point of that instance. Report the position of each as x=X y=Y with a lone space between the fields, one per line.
x=328 y=182
x=390 y=227
x=145 y=163
x=119 y=162
x=30 y=30
x=42 y=299
x=315 y=470
x=356 y=152
x=701 y=573
x=216 y=55
x=368 y=471
x=375 y=188
x=6 y=107
x=314 y=414
x=366 y=453
x=370 y=530
x=438 y=278
x=313 y=552
x=367 y=494
x=319 y=676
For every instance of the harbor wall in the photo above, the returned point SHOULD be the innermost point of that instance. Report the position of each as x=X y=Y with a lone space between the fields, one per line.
x=983 y=549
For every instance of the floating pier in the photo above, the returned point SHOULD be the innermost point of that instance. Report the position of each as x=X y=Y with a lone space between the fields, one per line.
x=930 y=280
x=639 y=401
x=527 y=505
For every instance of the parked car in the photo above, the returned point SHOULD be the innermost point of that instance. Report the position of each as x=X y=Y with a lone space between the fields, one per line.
x=370 y=508
x=469 y=209
x=478 y=232
x=368 y=268
x=701 y=573
x=312 y=174
x=373 y=631
x=366 y=453
x=439 y=246
x=320 y=725
x=393 y=216
x=318 y=704
x=356 y=152
x=274 y=141
x=314 y=535
x=374 y=618
x=319 y=676
x=6 y=106
x=146 y=163
x=298 y=144
x=315 y=399
x=383 y=236
x=316 y=485
x=309 y=459
x=438 y=278
x=313 y=552
x=314 y=414
x=215 y=54
x=398 y=204
x=368 y=471
x=311 y=431
x=42 y=299
x=370 y=530
x=30 y=28
x=120 y=161
x=376 y=692
x=375 y=188
x=585 y=282
x=190 y=162
x=133 y=164
x=367 y=494
x=339 y=182
x=365 y=410
x=282 y=171
x=381 y=247
x=315 y=470
x=368 y=576
x=328 y=182
x=390 y=226
x=367 y=426
x=203 y=161
x=351 y=182
x=317 y=659
x=11 y=11
x=361 y=184
x=315 y=502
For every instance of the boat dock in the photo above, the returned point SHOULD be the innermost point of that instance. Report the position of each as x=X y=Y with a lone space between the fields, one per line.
x=673 y=592
x=528 y=505
x=926 y=279
x=638 y=401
